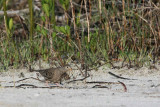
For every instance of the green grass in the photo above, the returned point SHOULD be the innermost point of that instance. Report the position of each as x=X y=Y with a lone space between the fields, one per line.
x=118 y=35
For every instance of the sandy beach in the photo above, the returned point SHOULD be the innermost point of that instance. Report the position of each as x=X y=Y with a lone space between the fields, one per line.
x=99 y=90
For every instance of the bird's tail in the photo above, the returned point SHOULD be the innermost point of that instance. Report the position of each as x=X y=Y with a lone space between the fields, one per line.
x=33 y=70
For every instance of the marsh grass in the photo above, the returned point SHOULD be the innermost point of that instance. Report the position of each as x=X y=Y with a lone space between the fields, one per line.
x=98 y=31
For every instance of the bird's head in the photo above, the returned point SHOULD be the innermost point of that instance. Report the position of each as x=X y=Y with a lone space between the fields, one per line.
x=67 y=68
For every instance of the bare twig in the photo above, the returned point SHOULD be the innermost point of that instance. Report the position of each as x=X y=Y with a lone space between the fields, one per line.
x=25 y=79
x=32 y=86
x=124 y=86
x=78 y=79
x=120 y=76
x=87 y=20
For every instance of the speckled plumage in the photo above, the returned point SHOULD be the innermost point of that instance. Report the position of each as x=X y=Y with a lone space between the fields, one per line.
x=55 y=75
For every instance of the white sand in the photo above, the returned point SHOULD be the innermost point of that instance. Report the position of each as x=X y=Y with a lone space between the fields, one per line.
x=144 y=92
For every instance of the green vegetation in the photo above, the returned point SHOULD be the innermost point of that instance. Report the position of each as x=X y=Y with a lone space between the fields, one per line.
x=92 y=32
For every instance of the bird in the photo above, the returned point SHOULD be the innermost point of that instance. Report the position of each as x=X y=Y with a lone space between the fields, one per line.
x=55 y=75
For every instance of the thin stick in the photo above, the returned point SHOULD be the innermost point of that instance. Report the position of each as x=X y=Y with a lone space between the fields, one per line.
x=25 y=79
x=87 y=20
x=77 y=80
x=31 y=86
x=120 y=76
x=124 y=86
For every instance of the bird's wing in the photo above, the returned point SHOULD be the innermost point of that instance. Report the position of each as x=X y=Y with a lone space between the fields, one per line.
x=48 y=74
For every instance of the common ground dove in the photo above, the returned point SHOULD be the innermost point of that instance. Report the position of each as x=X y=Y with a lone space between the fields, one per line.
x=55 y=75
